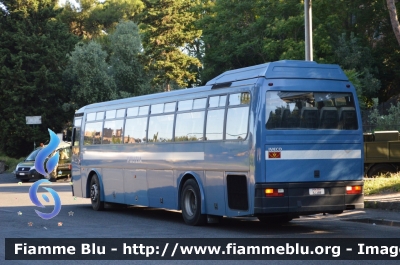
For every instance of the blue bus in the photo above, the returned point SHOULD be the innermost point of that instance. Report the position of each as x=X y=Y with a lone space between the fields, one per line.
x=273 y=141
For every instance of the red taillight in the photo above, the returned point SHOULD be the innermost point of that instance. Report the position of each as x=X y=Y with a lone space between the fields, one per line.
x=353 y=189
x=269 y=192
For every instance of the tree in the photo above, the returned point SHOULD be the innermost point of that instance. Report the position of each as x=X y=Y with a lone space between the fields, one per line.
x=393 y=18
x=258 y=32
x=94 y=18
x=127 y=69
x=33 y=44
x=358 y=63
x=97 y=73
x=391 y=121
x=263 y=31
x=374 y=29
x=227 y=37
x=88 y=77
x=167 y=28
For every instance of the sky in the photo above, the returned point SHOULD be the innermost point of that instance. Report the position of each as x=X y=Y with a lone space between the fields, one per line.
x=62 y=2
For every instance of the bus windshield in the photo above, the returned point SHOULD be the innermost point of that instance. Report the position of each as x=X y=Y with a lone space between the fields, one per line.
x=310 y=110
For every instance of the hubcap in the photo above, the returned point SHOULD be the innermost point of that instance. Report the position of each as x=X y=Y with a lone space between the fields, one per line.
x=94 y=192
x=190 y=202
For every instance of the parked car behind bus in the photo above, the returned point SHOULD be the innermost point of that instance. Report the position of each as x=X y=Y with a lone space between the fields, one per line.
x=26 y=171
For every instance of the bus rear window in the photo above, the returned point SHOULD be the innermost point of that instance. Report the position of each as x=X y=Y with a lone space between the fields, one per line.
x=310 y=110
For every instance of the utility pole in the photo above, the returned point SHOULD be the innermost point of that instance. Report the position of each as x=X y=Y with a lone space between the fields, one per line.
x=308 y=30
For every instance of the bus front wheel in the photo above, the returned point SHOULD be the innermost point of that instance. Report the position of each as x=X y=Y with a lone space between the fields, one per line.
x=191 y=204
x=97 y=204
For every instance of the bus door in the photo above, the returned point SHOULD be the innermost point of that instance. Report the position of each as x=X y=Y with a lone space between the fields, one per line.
x=76 y=157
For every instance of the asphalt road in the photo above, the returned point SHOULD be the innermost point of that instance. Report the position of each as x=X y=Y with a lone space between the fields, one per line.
x=17 y=211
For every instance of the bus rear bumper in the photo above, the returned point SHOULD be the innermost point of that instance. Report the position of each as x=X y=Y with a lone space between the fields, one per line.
x=306 y=198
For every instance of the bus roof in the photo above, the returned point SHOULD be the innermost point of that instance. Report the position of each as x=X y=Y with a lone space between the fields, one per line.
x=281 y=69
x=174 y=93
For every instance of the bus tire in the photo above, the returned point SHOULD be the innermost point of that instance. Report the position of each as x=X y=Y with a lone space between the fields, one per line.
x=191 y=204
x=97 y=204
x=379 y=169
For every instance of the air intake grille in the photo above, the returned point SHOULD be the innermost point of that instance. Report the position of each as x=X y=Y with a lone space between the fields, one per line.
x=237 y=192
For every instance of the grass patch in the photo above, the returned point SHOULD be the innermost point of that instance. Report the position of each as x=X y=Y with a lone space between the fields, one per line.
x=382 y=184
x=10 y=162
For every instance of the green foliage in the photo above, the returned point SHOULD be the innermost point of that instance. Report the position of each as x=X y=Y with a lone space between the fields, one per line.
x=94 y=18
x=391 y=121
x=128 y=73
x=11 y=162
x=359 y=63
x=258 y=32
x=262 y=31
x=33 y=44
x=95 y=74
x=232 y=41
x=88 y=76
x=167 y=27
x=382 y=185
x=373 y=25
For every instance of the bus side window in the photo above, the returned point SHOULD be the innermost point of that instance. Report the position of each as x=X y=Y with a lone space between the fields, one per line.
x=112 y=132
x=238 y=116
x=93 y=132
x=189 y=126
x=199 y=103
x=91 y=116
x=160 y=128
x=236 y=123
x=215 y=124
x=135 y=130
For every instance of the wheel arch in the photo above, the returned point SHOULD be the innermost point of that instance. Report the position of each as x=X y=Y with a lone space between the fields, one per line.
x=374 y=166
x=181 y=181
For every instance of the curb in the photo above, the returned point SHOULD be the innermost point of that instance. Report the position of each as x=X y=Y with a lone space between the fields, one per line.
x=375 y=221
x=383 y=205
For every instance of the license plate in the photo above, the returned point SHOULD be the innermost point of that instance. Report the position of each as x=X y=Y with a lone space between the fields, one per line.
x=22 y=174
x=317 y=191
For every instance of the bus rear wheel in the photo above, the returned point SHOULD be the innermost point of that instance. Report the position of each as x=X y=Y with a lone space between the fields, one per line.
x=97 y=204
x=191 y=204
